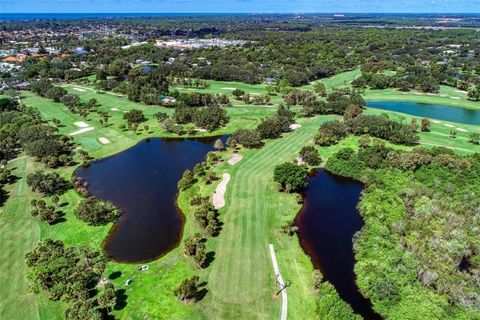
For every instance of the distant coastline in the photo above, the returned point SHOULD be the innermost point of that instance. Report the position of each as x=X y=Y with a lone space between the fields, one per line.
x=73 y=16
x=96 y=15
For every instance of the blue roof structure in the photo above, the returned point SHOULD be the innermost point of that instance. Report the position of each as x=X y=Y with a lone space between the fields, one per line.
x=80 y=51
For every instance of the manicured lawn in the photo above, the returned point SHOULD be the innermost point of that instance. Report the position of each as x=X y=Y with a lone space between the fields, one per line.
x=240 y=280
x=340 y=80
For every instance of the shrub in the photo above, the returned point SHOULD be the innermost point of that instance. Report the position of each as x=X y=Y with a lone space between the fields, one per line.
x=330 y=133
x=96 y=212
x=310 y=155
x=47 y=183
x=290 y=176
x=249 y=138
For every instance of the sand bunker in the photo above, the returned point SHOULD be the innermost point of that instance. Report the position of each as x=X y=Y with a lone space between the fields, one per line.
x=461 y=91
x=79 y=89
x=448 y=125
x=114 y=109
x=229 y=88
x=234 y=159
x=81 y=124
x=82 y=131
x=294 y=126
x=103 y=140
x=460 y=129
x=435 y=121
x=219 y=195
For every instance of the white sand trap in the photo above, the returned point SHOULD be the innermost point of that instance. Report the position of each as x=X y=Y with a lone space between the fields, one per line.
x=234 y=159
x=460 y=129
x=114 y=109
x=79 y=89
x=444 y=95
x=229 y=88
x=81 y=131
x=448 y=125
x=456 y=98
x=435 y=121
x=201 y=130
x=103 y=140
x=219 y=195
x=300 y=161
x=294 y=126
x=81 y=124
x=417 y=93
x=461 y=91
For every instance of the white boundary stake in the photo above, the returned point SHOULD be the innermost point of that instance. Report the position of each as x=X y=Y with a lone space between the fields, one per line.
x=280 y=282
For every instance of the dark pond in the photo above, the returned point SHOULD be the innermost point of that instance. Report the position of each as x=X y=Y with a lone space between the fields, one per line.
x=432 y=111
x=327 y=223
x=142 y=182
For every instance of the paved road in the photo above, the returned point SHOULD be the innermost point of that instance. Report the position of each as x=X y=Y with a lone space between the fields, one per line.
x=280 y=282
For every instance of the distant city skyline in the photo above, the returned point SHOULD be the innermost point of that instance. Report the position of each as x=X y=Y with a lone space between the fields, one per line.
x=239 y=6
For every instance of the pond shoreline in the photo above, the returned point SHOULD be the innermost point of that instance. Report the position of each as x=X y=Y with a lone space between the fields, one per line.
x=142 y=182
x=326 y=229
x=427 y=110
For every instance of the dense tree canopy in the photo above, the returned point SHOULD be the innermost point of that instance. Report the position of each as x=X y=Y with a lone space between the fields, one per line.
x=65 y=273
x=420 y=215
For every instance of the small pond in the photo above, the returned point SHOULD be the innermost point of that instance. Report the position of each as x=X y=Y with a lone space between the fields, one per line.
x=327 y=223
x=142 y=182
x=431 y=111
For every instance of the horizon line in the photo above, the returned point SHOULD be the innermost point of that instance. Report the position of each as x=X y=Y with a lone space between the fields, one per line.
x=247 y=12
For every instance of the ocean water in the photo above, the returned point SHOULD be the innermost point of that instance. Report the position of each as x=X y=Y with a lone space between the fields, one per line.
x=71 y=16
x=67 y=16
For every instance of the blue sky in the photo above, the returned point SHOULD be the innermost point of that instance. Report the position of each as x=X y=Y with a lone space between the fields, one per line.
x=391 y=6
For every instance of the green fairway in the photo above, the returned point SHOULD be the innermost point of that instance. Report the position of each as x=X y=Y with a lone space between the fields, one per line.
x=241 y=279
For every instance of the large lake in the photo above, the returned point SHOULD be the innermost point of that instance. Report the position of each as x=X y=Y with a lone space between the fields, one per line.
x=432 y=111
x=142 y=182
x=327 y=223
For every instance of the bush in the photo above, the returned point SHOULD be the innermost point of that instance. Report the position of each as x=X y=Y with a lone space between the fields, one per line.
x=47 y=183
x=290 y=176
x=310 y=155
x=188 y=289
x=272 y=128
x=96 y=212
x=331 y=307
x=134 y=116
x=210 y=118
x=249 y=138
x=330 y=133
x=187 y=180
